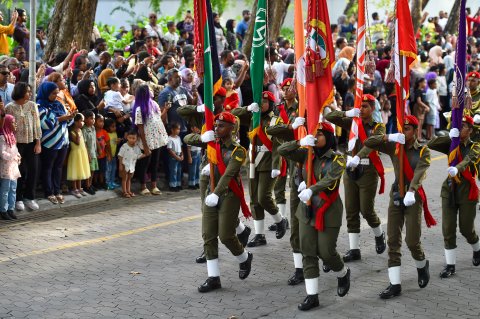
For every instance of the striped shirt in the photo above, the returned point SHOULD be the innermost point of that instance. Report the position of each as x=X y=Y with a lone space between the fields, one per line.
x=54 y=133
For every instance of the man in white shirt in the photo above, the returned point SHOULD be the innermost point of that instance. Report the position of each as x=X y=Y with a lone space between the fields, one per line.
x=154 y=30
x=280 y=67
x=94 y=55
x=171 y=37
x=442 y=19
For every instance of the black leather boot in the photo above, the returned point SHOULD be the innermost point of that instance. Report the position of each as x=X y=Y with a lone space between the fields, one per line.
x=272 y=227
x=243 y=236
x=310 y=302
x=448 y=271
x=344 y=284
x=11 y=214
x=476 y=258
x=258 y=240
x=281 y=228
x=5 y=216
x=424 y=275
x=201 y=259
x=245 y=267
x=210 y=284
x=351 y=255
x=297 y=277
x=380 y=243
x=391 y=291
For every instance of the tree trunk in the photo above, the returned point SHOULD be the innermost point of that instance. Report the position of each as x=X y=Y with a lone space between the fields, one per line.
x=277 y=10
x=424 y=4
x=71 y=20
x=416 y=10
x=453 y=18
x=348 y=7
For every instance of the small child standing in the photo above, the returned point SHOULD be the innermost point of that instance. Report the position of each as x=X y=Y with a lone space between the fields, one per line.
x=90 y=137
x=231 y=100
x=104 y=153
x=9 y=172
x=111 y=127
x=432 y=119
x=78 y=166
x=128 y=155
x=174 y=147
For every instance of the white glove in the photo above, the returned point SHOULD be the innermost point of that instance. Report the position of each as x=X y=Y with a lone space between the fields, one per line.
x=452 y=171
x=299 y=121
x=253 y=107
x=211 y=200
x=308 y=140
x=208 y=136
x=275 y=173
x=301 y=187
x=305 y=195
x=353 y=112
x=201 y=108
x=206 y=170
x=397 y=138
x=409 y=199
x=476 y=119
x=454 y=133
x=353 y=161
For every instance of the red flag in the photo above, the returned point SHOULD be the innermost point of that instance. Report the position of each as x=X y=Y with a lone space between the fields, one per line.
x=200 y=12
x=405 y=55
x=299 y=54
x=319 y=60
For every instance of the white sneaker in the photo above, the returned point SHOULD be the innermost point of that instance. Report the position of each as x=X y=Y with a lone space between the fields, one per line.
x=32 y=204
x=19 y=206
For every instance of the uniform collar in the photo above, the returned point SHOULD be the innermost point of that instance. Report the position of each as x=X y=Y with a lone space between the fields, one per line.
x=228 y=143
x=328 y=154
x=467 y=142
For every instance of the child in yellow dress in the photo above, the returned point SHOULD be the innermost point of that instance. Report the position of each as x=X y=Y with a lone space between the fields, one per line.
x=78 y=166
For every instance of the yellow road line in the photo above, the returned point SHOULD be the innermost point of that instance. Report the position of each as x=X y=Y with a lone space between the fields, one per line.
x=436 y=158
x=99 y=240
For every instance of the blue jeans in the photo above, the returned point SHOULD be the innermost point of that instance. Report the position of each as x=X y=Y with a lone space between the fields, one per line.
x=175 y=172
x=111 y=170
x=194 y=169
x=8 y=192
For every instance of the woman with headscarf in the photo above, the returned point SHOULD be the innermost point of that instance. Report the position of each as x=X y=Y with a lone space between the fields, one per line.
x=188 y=84
x=145 y=73
x=146 y=116
x=435 y=55
x=63 y=95
x=54 y=119
x=9 y=172
x=87 y=98
x=102 y=81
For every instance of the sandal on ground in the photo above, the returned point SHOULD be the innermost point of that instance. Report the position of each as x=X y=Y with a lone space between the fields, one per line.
x=52 y=199
x=145 y=192
x=156 y=191
x=60 y=199
x=126 y=195
x=132 y=194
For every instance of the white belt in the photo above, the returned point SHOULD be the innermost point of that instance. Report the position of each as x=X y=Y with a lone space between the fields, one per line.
x=262 y=148
x=365 y=161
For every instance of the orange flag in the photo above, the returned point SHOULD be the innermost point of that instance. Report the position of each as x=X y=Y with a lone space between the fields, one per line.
x=299 y=53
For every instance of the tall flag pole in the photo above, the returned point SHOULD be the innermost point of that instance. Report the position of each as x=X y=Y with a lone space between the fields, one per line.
x=319 y=61
x=459 y=94
x=361 y=36
x=257 y=61
x=299 y=53
x=405 y=56
x=199 y=10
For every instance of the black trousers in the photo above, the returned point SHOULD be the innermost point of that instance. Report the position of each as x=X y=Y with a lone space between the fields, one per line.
x=29 y=171
x=148 y=164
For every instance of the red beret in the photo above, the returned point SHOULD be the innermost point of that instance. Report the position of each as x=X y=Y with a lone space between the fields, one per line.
x=221 y=92
x=327 y=127
x=286 y=82
x=368 y=97
x=268 y=95
x=411 y=120
x=473 y=74
x=225 y=117
x=468 y=119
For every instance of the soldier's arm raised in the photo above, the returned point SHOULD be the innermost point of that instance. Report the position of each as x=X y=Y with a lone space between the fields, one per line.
x=339 y=118
x=282 y=131
x=381 y=144
x=440 y=144
x=333 y=176
x=194 y=139
x=233 y=168
x=292 y=151
x=472 y=158
x=379 y=129
x=421 y=170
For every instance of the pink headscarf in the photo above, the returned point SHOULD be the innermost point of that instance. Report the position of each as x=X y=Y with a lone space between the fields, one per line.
x=8 y=130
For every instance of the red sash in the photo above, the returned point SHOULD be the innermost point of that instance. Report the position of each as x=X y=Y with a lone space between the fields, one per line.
x=328 y=200
x=429 y=220
x=467 y=174
x=268 y=144
x=373 y=157
x=236 y=189
x=286 y=120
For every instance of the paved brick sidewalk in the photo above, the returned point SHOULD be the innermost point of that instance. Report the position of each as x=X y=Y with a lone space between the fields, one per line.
x=135 y=259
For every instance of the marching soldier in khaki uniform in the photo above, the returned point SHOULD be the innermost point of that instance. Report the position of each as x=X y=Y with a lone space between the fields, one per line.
x=361 y=179
x=221 y=207
x=459 y=194
x=473 y=79
x=194 y=115
x=405 y=211
x=287 y=131
x=319 y=223
x=267 y=169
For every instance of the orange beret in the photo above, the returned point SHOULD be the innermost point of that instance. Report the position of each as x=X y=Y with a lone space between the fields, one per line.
x=225 y=117
x=411 y=120
x=468 y=119
x=473 y=74
x=327 y=127
x=286 y=82
x=221 y=92
x=368 y=97
x=268 y=95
